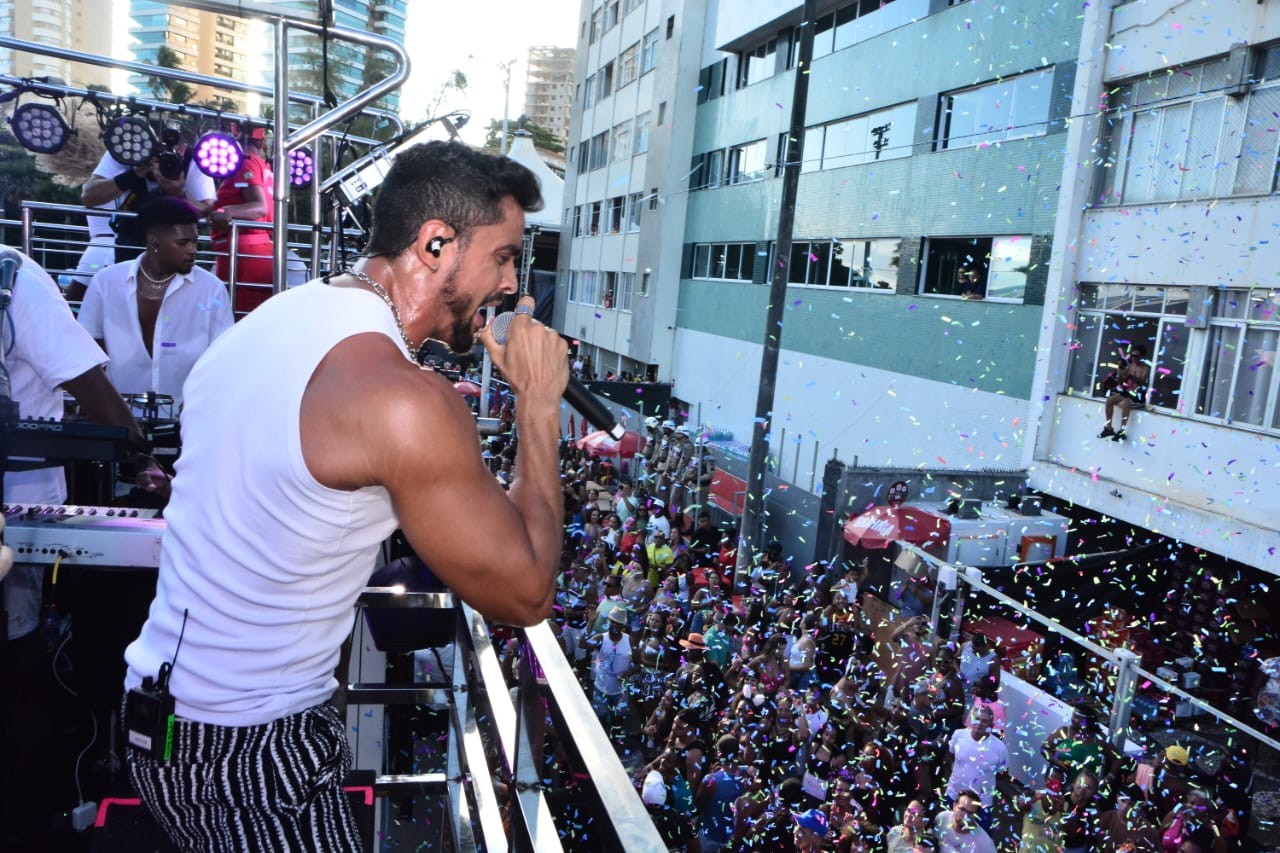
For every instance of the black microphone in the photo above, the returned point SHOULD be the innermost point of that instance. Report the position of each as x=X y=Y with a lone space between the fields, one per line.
x=10 y=263
x=575 y=393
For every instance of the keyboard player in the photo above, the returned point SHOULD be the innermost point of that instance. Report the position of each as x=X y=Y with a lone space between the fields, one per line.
x=46 y=352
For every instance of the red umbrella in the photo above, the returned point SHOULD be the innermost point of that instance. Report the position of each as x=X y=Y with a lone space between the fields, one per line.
x=573 y=427
x=881 y=525
x=466 y=388
x=600 y=443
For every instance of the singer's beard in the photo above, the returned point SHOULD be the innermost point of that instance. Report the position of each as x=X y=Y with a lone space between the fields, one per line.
x=462 y=334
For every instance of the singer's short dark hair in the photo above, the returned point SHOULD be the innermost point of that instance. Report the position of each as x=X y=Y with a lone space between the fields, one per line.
x=166 y=211
x=448 y=181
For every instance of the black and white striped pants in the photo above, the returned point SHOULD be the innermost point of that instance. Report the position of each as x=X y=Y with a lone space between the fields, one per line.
x=276 y=786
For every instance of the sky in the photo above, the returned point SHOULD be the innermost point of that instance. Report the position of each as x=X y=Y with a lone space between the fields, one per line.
x=477 y=39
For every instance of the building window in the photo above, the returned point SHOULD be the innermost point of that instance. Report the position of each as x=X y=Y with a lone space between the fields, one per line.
x=860 y=20
x=671 y=26
x=610 y=14
x=641 y=144
x=653 y=203
x=626 y=287
x=976 y=267
x=593 y=218
x=1180 y=135
x=715 y=169
x=644 y=284
x=609 y=291
x=757 y=63
x=746 y=162
x=707 y=171
x=631 y=5
x=1110 y=318
x=597 y=18
x=723 y=261
x=605 y=78
x=882 y=135
x=629 y=65
x=810 y=263
x=622 y=141
x=617 y=213
x=870 y=264
x=711 y=81
x=1000 y=111
x=649 y=52
x=599 y=150
x=1238 y=377
x=635 y=204
x=587 y=287
x=589 y=92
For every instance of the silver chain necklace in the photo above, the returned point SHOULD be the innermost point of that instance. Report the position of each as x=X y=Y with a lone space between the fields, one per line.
x=395 y=313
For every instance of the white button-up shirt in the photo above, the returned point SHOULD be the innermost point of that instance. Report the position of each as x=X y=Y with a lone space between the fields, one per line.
x=194 y=311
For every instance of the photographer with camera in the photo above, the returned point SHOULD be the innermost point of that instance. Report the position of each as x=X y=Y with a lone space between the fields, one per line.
x=115 y=186
x=1126 y=388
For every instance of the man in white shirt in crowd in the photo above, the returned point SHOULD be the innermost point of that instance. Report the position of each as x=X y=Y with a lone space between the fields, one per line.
x=155 y=315
x=958 y=830
x=613 y=662
x=978 y=756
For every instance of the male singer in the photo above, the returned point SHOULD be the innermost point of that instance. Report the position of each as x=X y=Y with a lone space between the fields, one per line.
x=310 y=433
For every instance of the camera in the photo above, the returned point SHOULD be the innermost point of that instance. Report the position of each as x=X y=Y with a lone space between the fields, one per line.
x=170 y=162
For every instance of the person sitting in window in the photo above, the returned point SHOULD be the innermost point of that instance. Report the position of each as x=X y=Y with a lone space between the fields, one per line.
x=1127 y=387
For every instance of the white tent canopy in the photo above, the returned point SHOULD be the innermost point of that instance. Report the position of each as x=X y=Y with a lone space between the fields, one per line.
x=523 y=152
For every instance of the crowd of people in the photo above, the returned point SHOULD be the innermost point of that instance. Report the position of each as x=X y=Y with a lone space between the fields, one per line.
x=786 y=718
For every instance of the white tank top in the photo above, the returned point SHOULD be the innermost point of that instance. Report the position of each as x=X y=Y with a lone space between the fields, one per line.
x=267 y=561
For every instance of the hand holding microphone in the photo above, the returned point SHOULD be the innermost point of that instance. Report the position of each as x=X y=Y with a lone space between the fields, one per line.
x=575 y=393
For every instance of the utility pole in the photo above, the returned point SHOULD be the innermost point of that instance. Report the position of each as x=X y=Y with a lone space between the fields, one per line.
x=753 y=508
x=506 y=105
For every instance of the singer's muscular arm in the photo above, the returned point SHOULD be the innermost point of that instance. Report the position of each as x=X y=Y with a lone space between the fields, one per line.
x=408 y=430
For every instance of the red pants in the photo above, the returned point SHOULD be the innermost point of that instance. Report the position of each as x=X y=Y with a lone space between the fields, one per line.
x=255 y=272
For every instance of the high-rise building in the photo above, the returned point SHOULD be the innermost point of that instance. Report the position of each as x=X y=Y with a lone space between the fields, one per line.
x=548 y=89
x=351 y=68
x=84 y=25
x=214 y=44
x=626 y=182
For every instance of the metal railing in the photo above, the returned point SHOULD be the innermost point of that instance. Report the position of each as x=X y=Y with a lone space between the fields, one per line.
x=502 y=803
x=1125 y=662
x=1121 y=666
x=44 y=239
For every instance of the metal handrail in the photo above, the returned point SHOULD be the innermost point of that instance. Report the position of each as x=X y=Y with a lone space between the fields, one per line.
x=482 y=711
x=29 y=226
x=1124 y=661
x=178 y=74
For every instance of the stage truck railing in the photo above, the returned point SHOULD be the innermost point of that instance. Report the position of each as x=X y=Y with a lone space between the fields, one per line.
x=500 y=736
x=57 y=245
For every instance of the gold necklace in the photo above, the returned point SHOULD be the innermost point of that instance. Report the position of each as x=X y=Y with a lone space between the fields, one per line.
x=412 y=349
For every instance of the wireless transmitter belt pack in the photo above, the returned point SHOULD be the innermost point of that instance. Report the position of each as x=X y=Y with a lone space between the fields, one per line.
x=148 y=717
x=148 y=710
